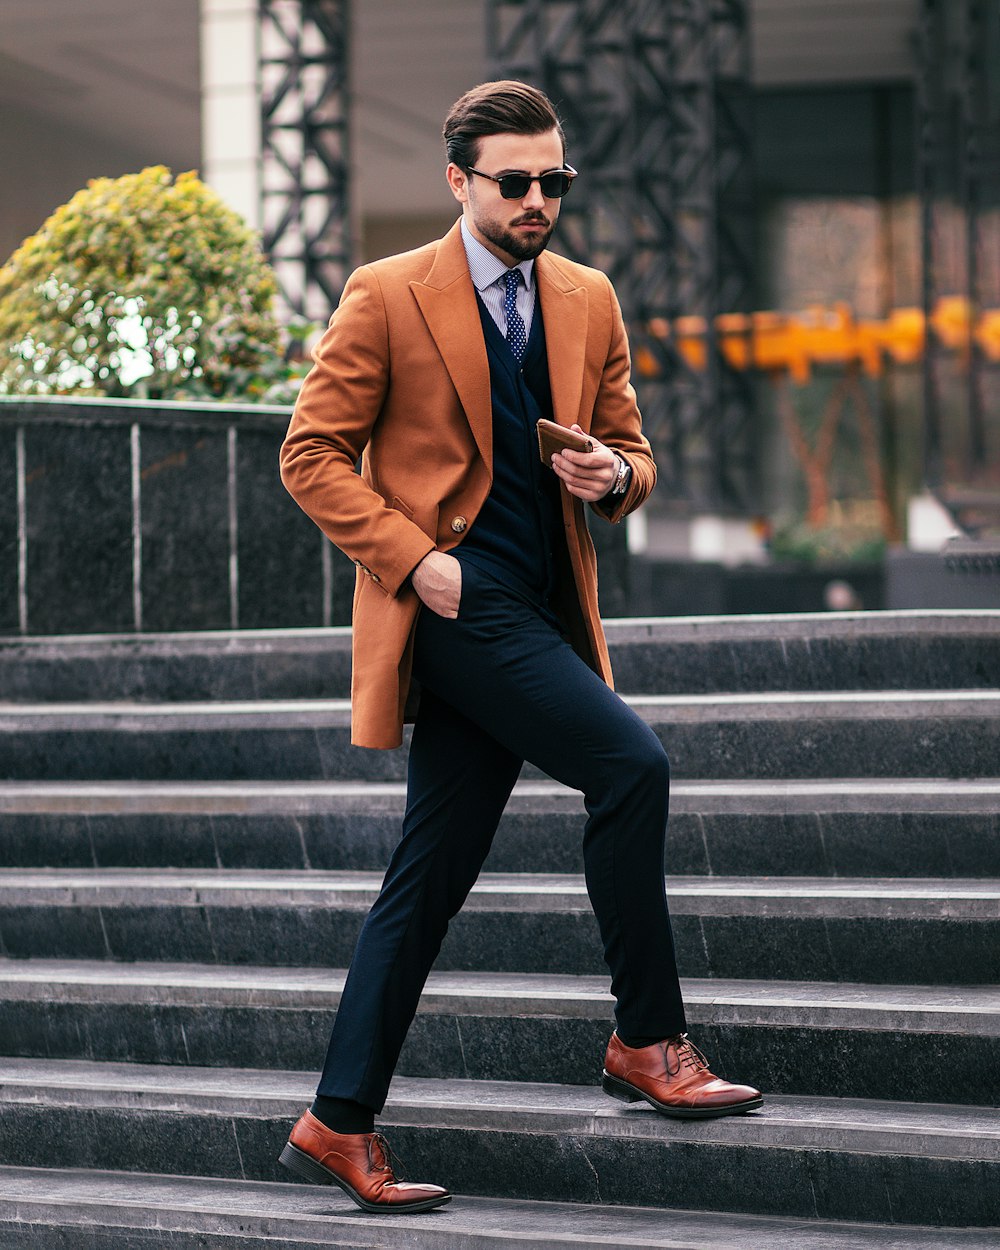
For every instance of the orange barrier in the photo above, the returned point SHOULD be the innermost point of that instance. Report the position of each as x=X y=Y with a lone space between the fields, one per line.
x=795 y=343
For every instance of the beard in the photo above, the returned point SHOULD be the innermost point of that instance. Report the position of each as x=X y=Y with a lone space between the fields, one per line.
x=519 y=246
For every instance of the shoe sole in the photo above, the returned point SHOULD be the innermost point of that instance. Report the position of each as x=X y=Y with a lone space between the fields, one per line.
x=308 y=1169
x=624 y=1092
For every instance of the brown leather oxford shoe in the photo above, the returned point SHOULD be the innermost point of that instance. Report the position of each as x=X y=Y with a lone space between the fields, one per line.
x=359 y=1163
x=673 y=1077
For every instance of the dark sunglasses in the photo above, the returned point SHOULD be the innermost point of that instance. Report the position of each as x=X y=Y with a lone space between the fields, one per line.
x=554 y=184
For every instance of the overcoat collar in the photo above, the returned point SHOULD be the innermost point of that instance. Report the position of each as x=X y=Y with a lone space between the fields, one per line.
x=447 y=300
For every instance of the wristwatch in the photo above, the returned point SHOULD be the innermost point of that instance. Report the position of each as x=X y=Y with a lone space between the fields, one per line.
x=621 y=482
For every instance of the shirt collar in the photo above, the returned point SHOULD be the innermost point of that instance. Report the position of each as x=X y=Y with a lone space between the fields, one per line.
x=485 y=268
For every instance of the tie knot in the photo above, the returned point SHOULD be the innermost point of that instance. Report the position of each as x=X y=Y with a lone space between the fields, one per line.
x=512 y=279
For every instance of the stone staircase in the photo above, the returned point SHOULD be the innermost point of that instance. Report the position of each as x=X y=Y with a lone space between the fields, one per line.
x=188 y=846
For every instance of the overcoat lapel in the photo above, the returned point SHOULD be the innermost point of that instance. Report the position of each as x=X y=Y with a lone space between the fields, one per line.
x=447 y=300
x=564 y=307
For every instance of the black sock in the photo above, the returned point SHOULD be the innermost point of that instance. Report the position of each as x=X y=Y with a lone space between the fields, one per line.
x=637 y=1043
x=343 y=1116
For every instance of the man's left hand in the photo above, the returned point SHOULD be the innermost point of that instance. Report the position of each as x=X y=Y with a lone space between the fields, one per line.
x=587 y=474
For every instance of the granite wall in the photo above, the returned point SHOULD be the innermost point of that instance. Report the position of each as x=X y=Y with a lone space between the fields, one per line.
x=165 y=515
x=220 y=542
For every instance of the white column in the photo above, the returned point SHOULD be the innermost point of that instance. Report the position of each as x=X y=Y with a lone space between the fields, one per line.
x=230 y=104
x=928 y=524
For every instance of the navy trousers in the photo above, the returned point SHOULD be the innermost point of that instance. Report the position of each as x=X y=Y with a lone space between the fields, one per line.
x=500 y=686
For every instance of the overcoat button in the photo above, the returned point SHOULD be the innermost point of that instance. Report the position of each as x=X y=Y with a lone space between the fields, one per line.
x=459 y=524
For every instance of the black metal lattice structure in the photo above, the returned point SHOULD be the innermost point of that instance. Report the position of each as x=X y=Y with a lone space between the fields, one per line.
x=305 y=151
x=655 y=100
x=958 y=161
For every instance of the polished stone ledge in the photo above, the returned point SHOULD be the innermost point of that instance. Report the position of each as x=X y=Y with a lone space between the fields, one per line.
x=283 y=798
x=250 y=1214
x=852 y=626
x=824 y=1158
x=932 y=828
x=777 y=737
x=789 y=1004
x=778 y=626
x=321 y=713
x=906 y=898
x=920 y=1130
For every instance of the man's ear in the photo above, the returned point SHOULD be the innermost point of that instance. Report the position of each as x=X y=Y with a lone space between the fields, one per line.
x=459 y=183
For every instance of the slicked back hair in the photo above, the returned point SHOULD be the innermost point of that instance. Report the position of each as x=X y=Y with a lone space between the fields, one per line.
x=497 y=108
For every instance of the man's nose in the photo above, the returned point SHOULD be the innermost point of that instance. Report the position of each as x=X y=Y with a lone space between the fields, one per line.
x=534 y=197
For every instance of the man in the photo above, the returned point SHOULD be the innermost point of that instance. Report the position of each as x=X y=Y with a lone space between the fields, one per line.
x=477 y=594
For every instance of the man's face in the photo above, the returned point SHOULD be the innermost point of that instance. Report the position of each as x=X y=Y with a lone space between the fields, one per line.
x=513 y=230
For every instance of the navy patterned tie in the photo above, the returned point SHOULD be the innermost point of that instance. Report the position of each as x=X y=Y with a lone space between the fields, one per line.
x=516 y=336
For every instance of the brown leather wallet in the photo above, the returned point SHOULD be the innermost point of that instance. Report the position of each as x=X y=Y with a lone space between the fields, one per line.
x=553 y=438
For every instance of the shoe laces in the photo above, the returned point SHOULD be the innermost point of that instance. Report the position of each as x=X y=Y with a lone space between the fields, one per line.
x=688 y=1054
x=386 y=1159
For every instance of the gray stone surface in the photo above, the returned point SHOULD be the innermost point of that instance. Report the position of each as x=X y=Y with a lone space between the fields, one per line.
x=932 y=828
x=79 y=529
x=80 y=554
x=280 y=551
x=185 y=528
x=825 y=1158
x=97 y=1209
x=859 y=651
x=821 y=837
x=9 y=614
x=974 y=1009
x=922 y=579
x=793 y=1037
x=923 y=1130
x=664 y=587
x=260 y=664
x=768 y=736
x=891 y=651
x=910 y=931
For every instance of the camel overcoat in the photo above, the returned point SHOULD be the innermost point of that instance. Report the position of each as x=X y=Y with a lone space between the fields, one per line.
x=401 y=381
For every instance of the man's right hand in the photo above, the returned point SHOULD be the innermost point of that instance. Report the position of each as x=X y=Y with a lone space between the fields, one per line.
x=437 y=579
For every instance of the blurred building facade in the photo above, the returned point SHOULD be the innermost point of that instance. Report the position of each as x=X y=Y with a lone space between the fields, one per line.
x=861 y=169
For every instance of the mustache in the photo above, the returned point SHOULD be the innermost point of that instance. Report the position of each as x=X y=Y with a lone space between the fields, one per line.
x=531 y=219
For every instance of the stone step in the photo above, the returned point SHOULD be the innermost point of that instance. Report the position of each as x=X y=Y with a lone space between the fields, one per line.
x=765 y=736
x=52 y=1209
x=919 y=828
x=827 y=1159
x=867 y=650
x=863 y=1041
x=907 y=930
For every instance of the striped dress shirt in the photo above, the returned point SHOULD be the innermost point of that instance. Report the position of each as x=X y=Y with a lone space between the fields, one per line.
x=487 y=273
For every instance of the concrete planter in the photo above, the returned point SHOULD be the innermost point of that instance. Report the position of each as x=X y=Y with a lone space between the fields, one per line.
x=689 y=588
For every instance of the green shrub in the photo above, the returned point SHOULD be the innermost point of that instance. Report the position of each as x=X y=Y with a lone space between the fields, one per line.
x=805 y=545
x=141 y=286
